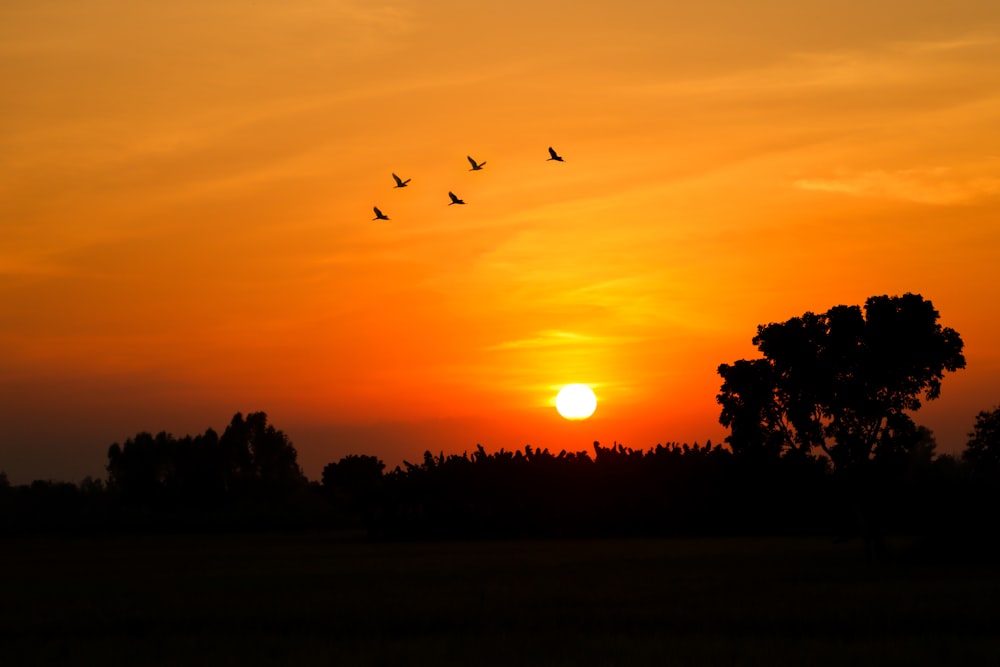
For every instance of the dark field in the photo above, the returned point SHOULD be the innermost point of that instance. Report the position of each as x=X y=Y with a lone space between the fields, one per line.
x=313 y=599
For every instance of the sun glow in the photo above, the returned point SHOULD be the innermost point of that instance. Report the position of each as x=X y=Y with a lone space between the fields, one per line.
x=576 y=401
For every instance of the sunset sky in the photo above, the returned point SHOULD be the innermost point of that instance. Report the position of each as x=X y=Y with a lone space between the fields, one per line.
x=186 y=193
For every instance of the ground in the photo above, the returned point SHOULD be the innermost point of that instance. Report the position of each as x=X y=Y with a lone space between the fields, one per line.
x=318 y=599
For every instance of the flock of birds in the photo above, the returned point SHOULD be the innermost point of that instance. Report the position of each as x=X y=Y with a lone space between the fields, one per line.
x=476 y=166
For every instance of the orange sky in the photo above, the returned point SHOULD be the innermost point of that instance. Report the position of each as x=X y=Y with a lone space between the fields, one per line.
x=186 y=197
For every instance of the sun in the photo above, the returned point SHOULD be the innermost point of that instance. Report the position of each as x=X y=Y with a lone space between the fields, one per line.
x=576 y=401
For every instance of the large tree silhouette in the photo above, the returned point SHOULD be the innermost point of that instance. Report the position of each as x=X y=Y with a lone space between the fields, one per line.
x=841 y=382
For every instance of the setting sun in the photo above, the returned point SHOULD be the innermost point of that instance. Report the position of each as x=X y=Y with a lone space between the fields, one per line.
x=576 y=401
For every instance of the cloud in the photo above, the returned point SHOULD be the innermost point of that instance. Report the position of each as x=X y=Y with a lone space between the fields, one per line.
x=938 y=46
x=923 y=186
x=558 y=338
x=549 y=338
x=919 y=65
x=33 y=265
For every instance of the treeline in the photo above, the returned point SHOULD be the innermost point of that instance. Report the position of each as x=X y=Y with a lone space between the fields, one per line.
x=249 y=478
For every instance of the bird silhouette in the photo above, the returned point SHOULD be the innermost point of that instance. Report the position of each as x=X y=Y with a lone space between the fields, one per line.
x=555 y=156
x=400 y=183
x=379 y=215
x=454 y=199
x=476 y=166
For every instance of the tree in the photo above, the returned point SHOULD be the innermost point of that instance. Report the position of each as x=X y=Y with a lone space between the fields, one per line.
x=353 y=472
x=251 y=459
x=982 y=450
x=260 y=458
x=842 y=382
x=141 y=468
x=353 y=484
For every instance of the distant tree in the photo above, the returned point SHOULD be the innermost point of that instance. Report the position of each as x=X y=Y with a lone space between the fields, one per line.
x=982 y=450
x=251 y=459
x=141 y=468
x=352 y=472
x=92 y=486
x=198 y=470
x=353 y=484
x=259 y=458
x=841 y=382
x=906 y=445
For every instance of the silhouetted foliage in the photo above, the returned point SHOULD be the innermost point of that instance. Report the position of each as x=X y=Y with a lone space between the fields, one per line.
x=248 y=473
x=671 y=489
x=841 y=382
x=353 y=485
x=259 y=458
x=249 y=478
x=161 y=471
x=47 y=506
x=982 y=450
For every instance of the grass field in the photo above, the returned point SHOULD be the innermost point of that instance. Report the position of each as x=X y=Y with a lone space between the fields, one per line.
x=315 y=600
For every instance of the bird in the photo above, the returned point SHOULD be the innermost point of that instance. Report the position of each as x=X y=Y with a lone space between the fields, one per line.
x=400 y=183
x=379 y=215
x=555 y=156
x=476 y=166
x=454 y=199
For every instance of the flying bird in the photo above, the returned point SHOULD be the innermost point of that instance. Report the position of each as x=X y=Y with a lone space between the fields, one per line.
x=454 y=199
x=379 y=215
x=476 y=166
x=400 y=183
x=555 y=156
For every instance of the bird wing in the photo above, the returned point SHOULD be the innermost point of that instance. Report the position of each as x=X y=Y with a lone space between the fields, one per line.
x=398 y=180
x=377 y=212
x=471 y=161
x=453 y=197
x=552 y=152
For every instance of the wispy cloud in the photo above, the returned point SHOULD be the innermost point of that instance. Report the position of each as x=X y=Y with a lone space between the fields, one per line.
x=21 y=265
x=550 y=338
x=558 y=338
x=902 y=64
x=938 y=46
x=923 y=186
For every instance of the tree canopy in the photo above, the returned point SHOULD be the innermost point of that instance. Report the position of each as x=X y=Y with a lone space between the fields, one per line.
x=841 y=382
